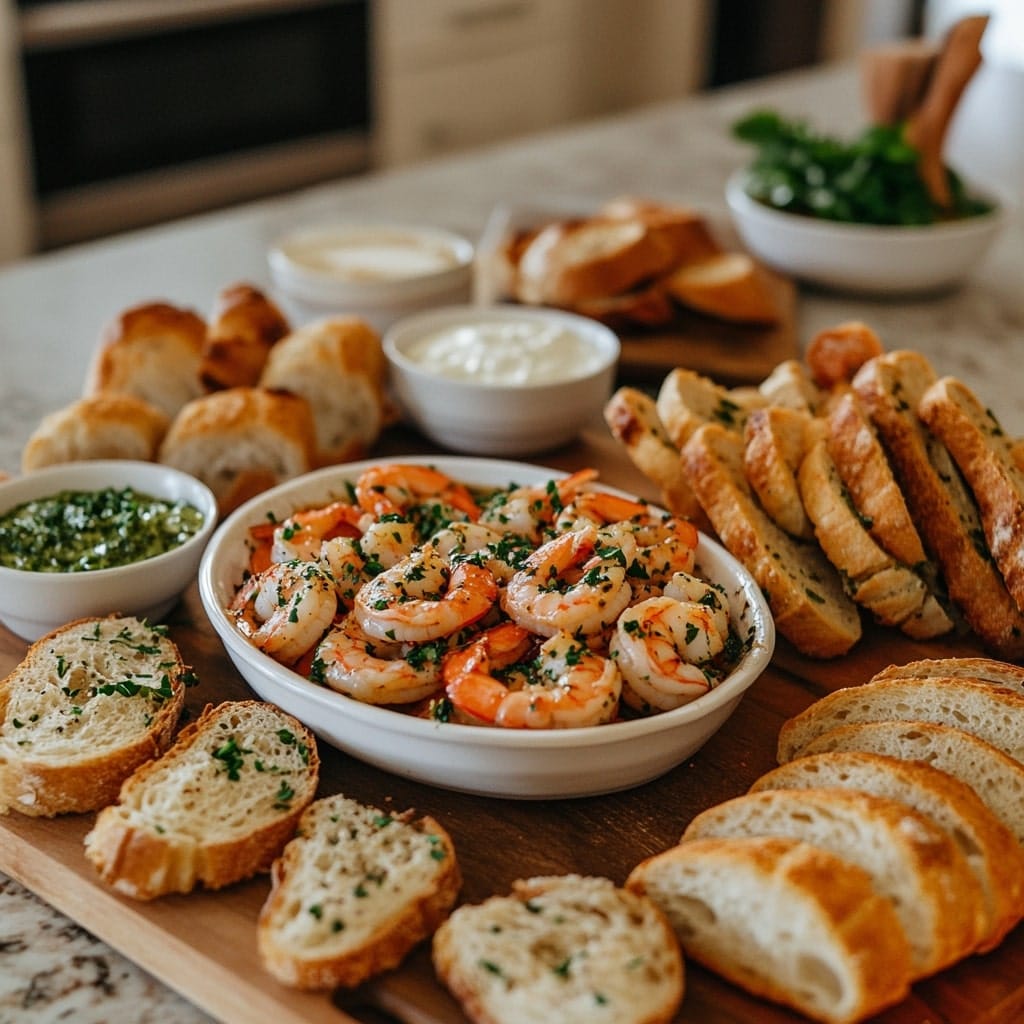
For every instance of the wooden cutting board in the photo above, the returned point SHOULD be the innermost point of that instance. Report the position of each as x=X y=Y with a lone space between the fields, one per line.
x=204 y=945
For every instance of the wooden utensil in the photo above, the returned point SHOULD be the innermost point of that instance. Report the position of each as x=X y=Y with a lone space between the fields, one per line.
x=894 y=77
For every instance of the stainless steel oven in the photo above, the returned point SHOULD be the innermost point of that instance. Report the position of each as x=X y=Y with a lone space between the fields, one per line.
x=142 y=110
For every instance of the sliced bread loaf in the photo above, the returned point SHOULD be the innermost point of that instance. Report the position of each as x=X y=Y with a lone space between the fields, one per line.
x=784 y=920
x=353 y=893
x=570 y=948
x=687 y=400
x=991 y=850
x=992 y=713
x=218 y=807
x=808 y=601
x=911 y=861
x=775 y=441
x=982 y=670
x=89 y=703
x=984 y=453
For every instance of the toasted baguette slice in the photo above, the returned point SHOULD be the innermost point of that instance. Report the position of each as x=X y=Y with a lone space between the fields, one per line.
x=89 y=703
x=564 y=948
x=645 y=306
x=353 y=893
x=990 y=848
x=997 y=778
x=784 y=920
x=834 y=355
x=808 y=602
x=679 y=229
x=686 y=400
x=890 y=388
x=994 y=714
x=775 y=442
x=790 y=386
x=911 y=861
x=632 y=417
x=982 y=670
x=728 y=286
x=218 y=807
x=985 y=456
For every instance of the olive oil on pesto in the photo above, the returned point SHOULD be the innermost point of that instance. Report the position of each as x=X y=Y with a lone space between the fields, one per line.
x=75 y=531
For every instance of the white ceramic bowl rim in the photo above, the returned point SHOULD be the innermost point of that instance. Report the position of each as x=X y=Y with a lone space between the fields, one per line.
x=944 y=233
x=408 y=329
x=95 y=474
x=321 y=286
x=754 y=660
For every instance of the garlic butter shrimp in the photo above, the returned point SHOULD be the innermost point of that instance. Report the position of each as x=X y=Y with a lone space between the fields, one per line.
x=393 y=488
x=532 y=511
x=688 y=588
x=567 y=686
x=376 y=672
x=501 y=554
x=567 y=585
x=301 y=535
x=421 y=598
x=286 y=609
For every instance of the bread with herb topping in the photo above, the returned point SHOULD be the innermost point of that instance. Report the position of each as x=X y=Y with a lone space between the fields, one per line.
x=353 y=893
x=785 y=920
x=88 y=704
x=687 y=400
x=571 y=948
x=217 y=807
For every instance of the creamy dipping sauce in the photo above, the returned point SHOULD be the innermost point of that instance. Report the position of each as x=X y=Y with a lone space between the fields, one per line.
x=372 y=255
x=505 y=352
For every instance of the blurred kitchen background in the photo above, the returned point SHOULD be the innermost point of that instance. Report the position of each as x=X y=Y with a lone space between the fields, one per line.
x=116 y=114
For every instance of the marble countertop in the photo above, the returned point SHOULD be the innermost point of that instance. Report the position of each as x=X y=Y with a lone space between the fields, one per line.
x=53 y=308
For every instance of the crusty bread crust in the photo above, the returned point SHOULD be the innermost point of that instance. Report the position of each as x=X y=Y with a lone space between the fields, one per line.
x=756 y=909
x=806 y=595
x=108 y=425
x=835 y=354
x=679 y=229
x=686 y=400
x=910 y=859
x=890 y=387
x=353 y=893
x=994 y=855
x=72 y=725
x=985 y=456
x=729 y=286
x=775 y=442
x=178 y=821
x=645 y=306
x=983 y=670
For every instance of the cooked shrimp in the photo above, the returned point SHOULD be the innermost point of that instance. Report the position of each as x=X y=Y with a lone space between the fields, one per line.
x=500 y=553
x=386 y=542
x=468 y=673
x=567 y=585
x=343 y=558
x=659 y=646
x=373 y=672
x=393 y=488
x=420 y=598
x=532 y=511
x=835 y=355
x=301 y=535
x=286 y=609
x=688 y=588
x=570 y=687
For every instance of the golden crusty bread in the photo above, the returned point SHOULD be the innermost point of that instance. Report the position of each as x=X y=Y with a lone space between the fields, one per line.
x=909 y=858
x=729 y=286
x=241 y=441
x=835 y=354
x=774 y=444
x=984 y=670
x=336 y=364
x=646 y=306
x=808 y=602
x=890 y=388
x=244 y=326
x=681 y=230
x=687 y=399
x=785 y=920
x=789 y=385
x=151 y=351
x=992 y=852
x=566 y=948
x=217 y=807
x=353 y=893
x=108 y=425
x=984 y=453
x=87 y=705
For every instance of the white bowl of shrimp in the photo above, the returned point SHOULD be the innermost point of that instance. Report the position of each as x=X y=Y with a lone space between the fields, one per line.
x=518 y=651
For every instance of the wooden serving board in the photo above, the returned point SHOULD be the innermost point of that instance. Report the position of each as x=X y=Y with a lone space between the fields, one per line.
x=204 y=945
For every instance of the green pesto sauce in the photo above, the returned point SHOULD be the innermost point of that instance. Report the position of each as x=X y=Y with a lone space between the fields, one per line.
x=75 y=531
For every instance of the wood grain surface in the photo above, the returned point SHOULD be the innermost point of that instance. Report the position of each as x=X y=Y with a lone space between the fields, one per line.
x=203 y=945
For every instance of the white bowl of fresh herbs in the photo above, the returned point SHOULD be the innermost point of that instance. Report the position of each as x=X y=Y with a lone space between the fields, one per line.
x=855 y=217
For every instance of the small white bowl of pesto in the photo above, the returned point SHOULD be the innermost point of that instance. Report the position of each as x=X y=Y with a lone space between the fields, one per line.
x=96 y=538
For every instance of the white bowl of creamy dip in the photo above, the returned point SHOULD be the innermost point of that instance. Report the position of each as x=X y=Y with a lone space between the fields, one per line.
x=377 y=271
x=502 y=379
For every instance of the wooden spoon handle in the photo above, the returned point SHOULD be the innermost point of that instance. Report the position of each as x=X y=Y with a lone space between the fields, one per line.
x=926 y=127
x=894 y=77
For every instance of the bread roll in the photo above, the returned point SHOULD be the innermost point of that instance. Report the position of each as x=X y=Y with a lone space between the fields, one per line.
x=104 y=426
x=153 y=352
x=241 y=441
x=244 y=326
x=338 y=366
